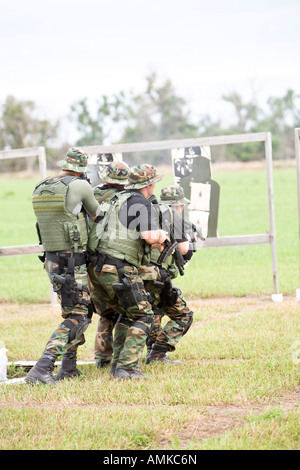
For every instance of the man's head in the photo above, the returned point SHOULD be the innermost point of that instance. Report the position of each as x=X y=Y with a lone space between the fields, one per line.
x=143 y=178
x=75 y=161
x=173 y=195
x=116 y=173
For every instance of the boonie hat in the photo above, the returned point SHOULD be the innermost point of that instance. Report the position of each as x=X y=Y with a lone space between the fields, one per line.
x=75 y=160
x=115 y=173
x=173 y=195
x=142 y=175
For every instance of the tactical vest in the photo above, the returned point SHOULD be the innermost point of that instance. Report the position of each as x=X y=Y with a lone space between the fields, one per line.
x=113 y=238
x=160 y=211
x=104 y=195
x=60 y=230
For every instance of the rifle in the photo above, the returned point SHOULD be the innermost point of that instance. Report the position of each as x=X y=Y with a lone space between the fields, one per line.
x=190 y=227
x=84 y=176
x=171 y=247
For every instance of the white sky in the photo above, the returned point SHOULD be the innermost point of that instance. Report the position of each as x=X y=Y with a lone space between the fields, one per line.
x=56 y=52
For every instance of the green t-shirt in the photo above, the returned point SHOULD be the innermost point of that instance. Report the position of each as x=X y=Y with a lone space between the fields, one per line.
x=80 y=193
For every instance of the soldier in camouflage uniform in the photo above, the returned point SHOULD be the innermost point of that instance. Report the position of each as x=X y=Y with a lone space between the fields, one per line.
x=61 y=205
x=167 y=299
x=120 y=245
x=113 y=179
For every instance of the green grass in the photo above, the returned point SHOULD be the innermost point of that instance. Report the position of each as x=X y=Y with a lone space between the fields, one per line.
x=237 y=358
x=236 y=353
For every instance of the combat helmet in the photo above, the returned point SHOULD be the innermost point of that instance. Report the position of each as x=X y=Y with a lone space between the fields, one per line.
x=142 y=175
x=173 y=195
x=115 y=173
x=75 y=160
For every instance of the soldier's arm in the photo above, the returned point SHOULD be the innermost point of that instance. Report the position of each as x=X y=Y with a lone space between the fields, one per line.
x=81 y=194
x=183 y=247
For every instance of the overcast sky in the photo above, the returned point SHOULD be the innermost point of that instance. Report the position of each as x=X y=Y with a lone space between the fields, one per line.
x=55 y=52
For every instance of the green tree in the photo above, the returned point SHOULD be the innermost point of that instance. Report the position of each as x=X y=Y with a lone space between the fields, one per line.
x=20 y=128
x=284 y=117
x=94 y=127
x=157 y=114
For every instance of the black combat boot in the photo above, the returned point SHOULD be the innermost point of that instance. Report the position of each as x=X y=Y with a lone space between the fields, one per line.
x=100 y=363
x=68 y=366
x=149 y=345
x=159 y=353
x=113 y=366
x=42 y=371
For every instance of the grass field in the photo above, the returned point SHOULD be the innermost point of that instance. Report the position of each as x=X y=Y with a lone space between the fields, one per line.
x=238 y=383
x=226 y=271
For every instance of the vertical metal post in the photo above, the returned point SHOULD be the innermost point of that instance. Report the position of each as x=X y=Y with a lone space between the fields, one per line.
x=277 y=297
x=42 y=162
x=297 y=155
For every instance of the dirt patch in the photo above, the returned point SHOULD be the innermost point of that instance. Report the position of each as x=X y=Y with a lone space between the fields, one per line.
x=217 y=420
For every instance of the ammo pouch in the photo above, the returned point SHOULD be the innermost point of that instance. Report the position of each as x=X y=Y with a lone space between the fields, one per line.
x=76 y=233
x=128 y=293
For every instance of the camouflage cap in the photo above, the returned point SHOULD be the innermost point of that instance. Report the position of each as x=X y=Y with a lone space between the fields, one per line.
x=115 y=173
x=142 y=175
x=173 y=195
x=75 y=160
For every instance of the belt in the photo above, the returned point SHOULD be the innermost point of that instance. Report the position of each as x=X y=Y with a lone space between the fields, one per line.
x=102 y=258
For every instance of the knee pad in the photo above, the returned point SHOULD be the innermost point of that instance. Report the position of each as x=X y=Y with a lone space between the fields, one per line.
x=139 y=323
x=76 y=331
x=185 y=325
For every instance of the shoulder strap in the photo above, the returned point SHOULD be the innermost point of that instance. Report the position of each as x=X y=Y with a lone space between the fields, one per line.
x=104 y=221
x=105 y=195
x=68 y=178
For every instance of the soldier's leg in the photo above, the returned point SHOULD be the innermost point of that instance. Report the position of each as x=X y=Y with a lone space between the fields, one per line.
x=103 y=351
x=150 y=274
x=105 y=300
x=156 y=289
x=68 y=335
x=180 y=320
x=138 y=319
x=104 y=334
x=77 y=321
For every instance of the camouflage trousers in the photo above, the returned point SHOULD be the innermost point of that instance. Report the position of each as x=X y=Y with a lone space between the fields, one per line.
x=103 y=350
x=180 y=315
x=180 y=319
x=132 y=330
x=60 y=341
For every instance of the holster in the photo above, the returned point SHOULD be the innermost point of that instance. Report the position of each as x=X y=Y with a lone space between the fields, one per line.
x=69 y=289
x=170 y=294
x=128 y=293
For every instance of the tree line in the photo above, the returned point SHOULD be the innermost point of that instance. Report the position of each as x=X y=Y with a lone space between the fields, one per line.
x=157 y=113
